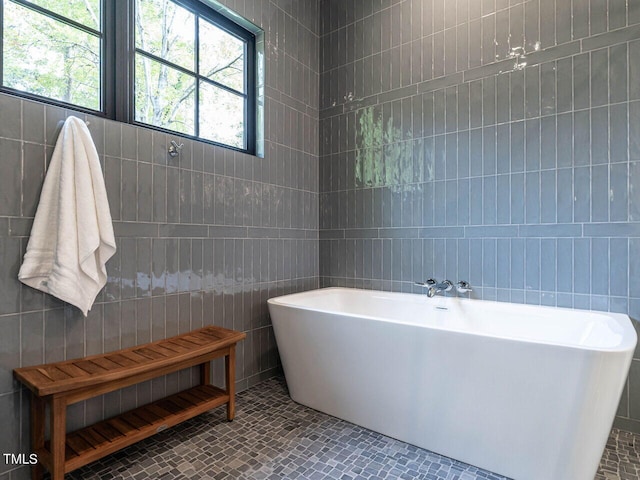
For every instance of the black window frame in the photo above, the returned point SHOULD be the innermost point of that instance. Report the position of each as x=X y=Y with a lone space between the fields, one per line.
x=118 y=50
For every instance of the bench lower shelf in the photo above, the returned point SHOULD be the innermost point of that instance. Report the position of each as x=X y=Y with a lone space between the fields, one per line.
x=103 y=438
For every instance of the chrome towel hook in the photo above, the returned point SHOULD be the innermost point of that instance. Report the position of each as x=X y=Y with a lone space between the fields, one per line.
x=174 y=148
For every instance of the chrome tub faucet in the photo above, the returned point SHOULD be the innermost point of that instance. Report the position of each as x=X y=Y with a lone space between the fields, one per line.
x=434 y=287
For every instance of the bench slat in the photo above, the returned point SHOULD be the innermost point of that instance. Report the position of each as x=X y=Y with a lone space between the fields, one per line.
x=178 y=348
x=135 y=357
x=200 y=395
x=107 y=431
x=35 y=377
x=192 y=398
x=184 y=343
x=78 y=444
x=149 y=353
x=147 y=415
x=196 y=339
x=92 y=437
x=133 y=419
x=168 y=406
x=105 y=363
x=53 y=373
x=158 y=411
x=161 y=349
x=182 y=402
x=73 y=371
x=89 y=366
x=120 y=360
x=123 y=427
x=209 y=333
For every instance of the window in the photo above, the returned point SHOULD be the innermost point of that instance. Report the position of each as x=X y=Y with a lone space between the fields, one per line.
x=53 y=49
x=183 y=68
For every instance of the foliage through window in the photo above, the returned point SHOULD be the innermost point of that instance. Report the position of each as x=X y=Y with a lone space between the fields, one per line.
x=51 y=48
x=191 y=70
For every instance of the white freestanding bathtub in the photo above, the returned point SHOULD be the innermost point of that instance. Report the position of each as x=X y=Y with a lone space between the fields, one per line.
x=524 y=391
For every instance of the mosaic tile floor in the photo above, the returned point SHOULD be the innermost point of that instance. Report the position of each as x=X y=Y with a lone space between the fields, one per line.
x=621 y=458
x=274 y=438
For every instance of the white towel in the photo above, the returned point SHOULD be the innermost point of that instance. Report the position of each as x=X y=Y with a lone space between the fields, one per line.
x=72 y=235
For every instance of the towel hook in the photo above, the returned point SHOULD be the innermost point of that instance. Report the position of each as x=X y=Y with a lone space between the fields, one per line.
x=174 y=148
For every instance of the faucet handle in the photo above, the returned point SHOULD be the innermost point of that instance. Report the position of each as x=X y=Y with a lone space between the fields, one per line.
x=463 y=287
x=427 y=284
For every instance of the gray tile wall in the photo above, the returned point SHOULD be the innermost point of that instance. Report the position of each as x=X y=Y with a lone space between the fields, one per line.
x=493 y=141
x=204 y=238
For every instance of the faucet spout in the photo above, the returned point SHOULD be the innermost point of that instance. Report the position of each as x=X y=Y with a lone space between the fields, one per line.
x=434 y=287
x=443 y=286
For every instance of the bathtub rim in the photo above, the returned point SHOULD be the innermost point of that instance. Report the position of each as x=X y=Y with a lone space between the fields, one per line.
x=627 y=344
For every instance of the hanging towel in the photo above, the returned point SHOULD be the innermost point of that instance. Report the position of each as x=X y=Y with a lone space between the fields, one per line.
x=72 y=235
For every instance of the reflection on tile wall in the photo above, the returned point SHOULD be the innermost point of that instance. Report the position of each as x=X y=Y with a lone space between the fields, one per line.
x=493 y=141
x=204 y=238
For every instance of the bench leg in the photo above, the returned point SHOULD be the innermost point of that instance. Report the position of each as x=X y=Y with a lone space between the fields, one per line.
x=58 y=433
x=37 y=433
x=230 y=379
x=205 y=373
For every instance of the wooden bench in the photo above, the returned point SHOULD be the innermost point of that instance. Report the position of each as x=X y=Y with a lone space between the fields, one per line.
x=64 y=383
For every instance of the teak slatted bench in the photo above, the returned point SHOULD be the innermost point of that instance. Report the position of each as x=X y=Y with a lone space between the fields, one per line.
x=64 y=383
